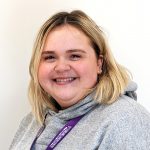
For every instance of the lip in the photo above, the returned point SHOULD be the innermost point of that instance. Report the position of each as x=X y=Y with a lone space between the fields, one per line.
x=64 y=80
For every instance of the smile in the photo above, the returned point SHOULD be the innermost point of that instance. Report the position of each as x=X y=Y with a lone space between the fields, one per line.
x=64 y=80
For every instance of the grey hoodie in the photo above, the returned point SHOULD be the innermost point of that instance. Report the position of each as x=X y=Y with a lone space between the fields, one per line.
x=123 y=125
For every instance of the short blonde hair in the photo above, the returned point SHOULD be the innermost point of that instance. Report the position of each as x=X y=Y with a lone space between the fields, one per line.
x=111 y=82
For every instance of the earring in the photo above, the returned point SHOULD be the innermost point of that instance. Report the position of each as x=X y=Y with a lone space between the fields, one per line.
x=99 y=71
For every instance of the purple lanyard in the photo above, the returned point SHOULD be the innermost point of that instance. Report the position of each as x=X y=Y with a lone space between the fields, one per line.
x=60 y=135
x=63 y=132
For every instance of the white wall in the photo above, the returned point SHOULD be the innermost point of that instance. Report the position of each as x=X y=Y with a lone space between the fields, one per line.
x=126 y=23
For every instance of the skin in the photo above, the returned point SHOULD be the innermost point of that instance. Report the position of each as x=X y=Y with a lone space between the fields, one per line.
x=68 y=66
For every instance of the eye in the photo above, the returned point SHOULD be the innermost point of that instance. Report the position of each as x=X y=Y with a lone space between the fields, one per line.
x=50 y=58
x=75 y=57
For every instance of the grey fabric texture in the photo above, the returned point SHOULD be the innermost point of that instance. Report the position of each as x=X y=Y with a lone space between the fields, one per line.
x=123 y=125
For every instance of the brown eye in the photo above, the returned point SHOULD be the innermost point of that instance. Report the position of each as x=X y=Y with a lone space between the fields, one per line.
x=75 y=57
x=49 y=58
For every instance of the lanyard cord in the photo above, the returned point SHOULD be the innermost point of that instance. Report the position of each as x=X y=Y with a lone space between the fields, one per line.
x=63 y=132
x=60 y=135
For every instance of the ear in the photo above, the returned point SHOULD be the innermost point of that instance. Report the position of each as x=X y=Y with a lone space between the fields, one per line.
x=99 y=64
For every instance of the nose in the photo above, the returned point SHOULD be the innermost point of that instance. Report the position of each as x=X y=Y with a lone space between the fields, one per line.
x=62 y=65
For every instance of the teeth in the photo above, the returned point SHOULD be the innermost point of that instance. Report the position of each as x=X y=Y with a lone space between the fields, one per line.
x=64 y=80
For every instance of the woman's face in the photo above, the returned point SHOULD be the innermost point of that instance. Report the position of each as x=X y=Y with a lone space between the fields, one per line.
x=68 y=66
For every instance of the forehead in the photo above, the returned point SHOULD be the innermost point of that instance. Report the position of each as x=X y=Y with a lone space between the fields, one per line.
x=66 y=36
x=67 y=27
x=68 y=30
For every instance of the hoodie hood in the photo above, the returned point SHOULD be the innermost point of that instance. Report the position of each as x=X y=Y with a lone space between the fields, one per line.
x=88 y=104
x=81 y=108
x=130 y=90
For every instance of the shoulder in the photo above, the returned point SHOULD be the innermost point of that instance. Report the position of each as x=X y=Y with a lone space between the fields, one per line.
x=25 y=124
x=129 y=109
x=123 y=114
x=126 y=123
x=125 y=107
x=26 y=121
x=28 y=118
x=128 y=116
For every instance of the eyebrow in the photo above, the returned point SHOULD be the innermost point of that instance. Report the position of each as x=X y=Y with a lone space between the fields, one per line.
x=68 y=51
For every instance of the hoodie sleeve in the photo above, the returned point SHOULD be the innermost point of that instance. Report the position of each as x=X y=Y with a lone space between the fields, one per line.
x=25 y=122
x=130 y=132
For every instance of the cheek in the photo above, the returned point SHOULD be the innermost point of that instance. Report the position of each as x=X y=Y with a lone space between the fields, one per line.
x=43 y=71
x=87 y=71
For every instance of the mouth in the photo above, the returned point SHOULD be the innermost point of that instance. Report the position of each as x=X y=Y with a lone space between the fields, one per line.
x=66 y=80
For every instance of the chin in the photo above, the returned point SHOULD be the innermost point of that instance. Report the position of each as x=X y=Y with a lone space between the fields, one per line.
x=65 y=101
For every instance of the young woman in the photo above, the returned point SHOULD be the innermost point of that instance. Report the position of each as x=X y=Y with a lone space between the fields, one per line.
x=81 y=98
